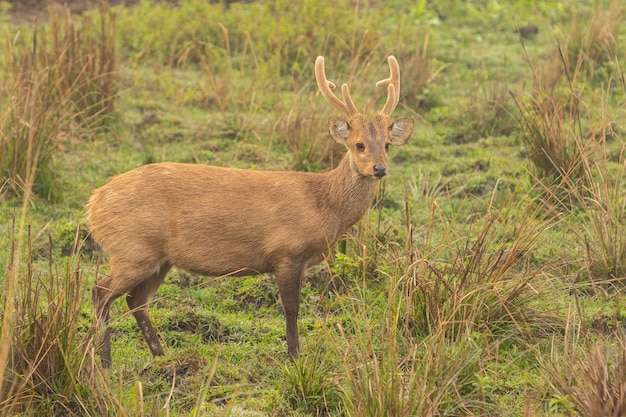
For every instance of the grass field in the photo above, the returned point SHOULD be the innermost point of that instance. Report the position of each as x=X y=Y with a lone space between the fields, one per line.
x=487 y=278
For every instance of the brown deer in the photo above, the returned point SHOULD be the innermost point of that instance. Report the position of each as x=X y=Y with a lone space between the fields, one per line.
x=223 y=221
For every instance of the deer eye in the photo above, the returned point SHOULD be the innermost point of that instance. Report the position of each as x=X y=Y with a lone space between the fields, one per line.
x=360 y=147
x=387 y=146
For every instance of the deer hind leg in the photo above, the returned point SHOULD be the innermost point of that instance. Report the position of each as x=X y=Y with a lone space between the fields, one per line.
x=103 y=297
x=289 y=280
x=138 y=299
x=120 y=280
x=105 y=292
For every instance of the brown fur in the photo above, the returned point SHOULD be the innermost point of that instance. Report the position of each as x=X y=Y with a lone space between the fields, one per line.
x=224 y=221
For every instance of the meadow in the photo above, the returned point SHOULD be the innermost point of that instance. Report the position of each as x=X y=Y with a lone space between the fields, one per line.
x=487 y=279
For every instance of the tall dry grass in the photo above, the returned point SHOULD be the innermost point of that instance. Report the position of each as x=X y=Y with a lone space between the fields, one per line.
x=414 y=340
x=570 y=135
x=589 y=373
x=592 y=41
x=43 y=335
x=555 y=118
x=550 y=120
x=60 y=81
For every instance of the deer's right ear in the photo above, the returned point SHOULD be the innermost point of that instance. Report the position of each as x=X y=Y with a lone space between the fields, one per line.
x=339 y=129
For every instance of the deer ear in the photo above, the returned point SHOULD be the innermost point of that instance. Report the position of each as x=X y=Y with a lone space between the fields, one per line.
x=339 y=129
x=400 y=131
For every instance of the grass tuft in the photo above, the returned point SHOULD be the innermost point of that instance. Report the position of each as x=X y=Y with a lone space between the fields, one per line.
x=479 y=283
x=310 y=384
x=65 y=78
x=591 y=381
x=592 y=43
x=47 y=349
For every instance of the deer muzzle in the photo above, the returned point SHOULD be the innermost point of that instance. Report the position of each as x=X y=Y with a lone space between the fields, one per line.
x=380 y=171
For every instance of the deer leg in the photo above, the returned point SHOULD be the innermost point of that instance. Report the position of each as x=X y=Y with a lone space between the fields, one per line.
x=138 y=299
x=104 y=293
x=102 y=300
x=289 y=280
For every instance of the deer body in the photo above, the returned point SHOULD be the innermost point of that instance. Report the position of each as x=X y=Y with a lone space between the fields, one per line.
x=224 y=221
x=191 y=216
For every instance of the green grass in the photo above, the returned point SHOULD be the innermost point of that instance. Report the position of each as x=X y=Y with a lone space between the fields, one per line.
x=488 y=278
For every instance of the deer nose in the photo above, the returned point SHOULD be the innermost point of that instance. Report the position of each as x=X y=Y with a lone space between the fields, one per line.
x=380 y=171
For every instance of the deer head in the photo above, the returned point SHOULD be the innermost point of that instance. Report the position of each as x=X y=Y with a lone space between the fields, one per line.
x=367 y=142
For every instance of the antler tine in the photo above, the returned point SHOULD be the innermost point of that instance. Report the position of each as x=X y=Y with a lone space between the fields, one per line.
x=347 y=106
x=393 y=87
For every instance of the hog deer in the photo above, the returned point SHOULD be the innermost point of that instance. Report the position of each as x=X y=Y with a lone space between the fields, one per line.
x=217 y=221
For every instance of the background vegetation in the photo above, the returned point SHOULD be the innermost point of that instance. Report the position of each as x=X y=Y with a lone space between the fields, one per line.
x=488 y=278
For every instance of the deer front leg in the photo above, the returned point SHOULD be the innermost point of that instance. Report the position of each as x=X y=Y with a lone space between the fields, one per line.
x=289 y=280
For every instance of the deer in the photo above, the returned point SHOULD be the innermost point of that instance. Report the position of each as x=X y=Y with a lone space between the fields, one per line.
x=222 y=221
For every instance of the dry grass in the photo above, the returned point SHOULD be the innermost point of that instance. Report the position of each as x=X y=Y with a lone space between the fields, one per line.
x=591 y=45
x=550 y=119
x=418 y=345
x=593 y=379
x=62 y=82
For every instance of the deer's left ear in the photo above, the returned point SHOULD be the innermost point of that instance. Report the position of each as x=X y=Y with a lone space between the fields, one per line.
x=400 y=131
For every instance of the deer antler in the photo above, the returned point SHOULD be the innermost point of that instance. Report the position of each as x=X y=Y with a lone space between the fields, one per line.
x=393 y=87
x=347 y=106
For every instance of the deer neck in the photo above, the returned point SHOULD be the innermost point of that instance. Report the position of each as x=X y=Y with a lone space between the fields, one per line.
x=351 y=194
